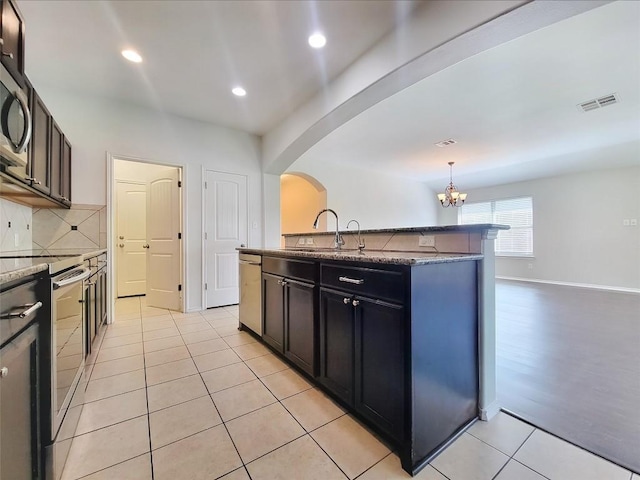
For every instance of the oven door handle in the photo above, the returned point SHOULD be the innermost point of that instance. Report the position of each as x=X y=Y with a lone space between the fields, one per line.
x=75 y=279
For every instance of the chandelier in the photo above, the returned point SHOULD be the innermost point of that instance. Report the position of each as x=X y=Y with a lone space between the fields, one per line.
x=451 y=195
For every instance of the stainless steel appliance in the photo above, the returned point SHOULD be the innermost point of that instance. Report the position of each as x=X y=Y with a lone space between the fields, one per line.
x=15 y=126
x=20 y=410
x=250 y=308
x=62 y=353
x=67 y=357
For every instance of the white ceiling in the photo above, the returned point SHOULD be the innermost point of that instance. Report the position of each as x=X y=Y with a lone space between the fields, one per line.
x=195 y=51
x=512 y=109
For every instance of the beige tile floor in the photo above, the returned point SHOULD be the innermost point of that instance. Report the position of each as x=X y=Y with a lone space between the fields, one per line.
x=186 y=396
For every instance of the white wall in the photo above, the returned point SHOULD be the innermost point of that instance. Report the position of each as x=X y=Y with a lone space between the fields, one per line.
x=579 y=235
x=96 y=126
x=375 y=199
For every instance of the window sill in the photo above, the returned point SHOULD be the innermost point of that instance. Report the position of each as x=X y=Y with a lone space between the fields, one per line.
x=518 y=255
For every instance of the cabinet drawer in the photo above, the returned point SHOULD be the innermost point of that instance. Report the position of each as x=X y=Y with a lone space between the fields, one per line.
x=290 y=268
x=376 y=284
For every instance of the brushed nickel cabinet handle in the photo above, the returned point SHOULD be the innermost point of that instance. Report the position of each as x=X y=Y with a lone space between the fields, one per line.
x=355 y=281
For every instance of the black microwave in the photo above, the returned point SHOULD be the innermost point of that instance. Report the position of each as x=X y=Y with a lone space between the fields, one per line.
x=15 y=128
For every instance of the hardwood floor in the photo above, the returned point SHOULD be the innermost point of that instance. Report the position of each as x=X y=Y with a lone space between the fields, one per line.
x=568 y=361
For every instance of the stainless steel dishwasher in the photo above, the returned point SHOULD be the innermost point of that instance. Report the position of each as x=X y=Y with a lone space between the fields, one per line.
x=251 y=292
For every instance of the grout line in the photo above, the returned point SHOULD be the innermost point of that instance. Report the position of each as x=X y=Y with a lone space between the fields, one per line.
x=146 y=394
x=525 y=441
x=529 y=468
x=115 y=464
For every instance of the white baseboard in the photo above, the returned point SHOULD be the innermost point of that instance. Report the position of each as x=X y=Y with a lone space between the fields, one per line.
x=571 y=284
x=490 y=411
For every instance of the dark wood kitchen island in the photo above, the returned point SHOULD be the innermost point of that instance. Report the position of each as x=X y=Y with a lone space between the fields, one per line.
x=392 y=335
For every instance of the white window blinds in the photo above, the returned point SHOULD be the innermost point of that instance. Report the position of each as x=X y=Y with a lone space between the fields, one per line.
x=515 y=212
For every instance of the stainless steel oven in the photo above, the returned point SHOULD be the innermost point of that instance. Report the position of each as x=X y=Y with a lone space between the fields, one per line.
x=67 y=358
x=15 y=126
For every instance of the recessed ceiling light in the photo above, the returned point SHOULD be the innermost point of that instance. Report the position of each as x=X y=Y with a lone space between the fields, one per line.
x=239 y=91
x=317 y=40
x=132 y=56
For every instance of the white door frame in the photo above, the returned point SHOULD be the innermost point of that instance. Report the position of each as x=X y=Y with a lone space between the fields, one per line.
x=203 y=209
x=111 y=244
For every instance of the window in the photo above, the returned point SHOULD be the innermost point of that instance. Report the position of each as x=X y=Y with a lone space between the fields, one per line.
x=515 y=212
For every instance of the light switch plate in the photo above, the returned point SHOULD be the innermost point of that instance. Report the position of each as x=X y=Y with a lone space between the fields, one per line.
x=301 y=241
x=427 y=241
x=309 y=240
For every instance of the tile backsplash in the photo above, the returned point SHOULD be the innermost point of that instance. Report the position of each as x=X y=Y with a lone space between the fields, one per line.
x=16 y=226
x=81 y=226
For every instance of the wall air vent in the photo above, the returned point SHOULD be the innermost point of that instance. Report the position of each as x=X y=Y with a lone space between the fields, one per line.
x=598 y=103
x=445 y=143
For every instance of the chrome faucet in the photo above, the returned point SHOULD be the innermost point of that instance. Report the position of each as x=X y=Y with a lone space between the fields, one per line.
x=360 y=240
x=338 y=242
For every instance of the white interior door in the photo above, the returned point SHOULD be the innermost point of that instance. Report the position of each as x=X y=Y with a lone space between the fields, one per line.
x=131 y=232
x=164 y=245
x=225 y=230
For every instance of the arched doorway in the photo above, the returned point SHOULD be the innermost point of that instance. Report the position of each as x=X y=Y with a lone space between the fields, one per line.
x=301 y=198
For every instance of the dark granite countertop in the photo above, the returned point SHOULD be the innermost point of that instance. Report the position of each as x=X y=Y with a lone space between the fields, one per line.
x=23 y=263
x=368 y=256
x=476 y=227
x=16 y=268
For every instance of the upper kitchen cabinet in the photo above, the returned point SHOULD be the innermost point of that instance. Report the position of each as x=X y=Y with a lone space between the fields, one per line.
x=41 y=158
x=60 y=160
x=12 y=43
x=65 y=177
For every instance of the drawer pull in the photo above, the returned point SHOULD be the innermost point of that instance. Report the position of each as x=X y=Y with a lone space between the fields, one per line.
x=355 y=281
x=4 y=371
x=25 y=313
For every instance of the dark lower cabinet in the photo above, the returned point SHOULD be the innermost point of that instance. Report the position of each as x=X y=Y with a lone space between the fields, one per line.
x=289 y=319
x=380 y=364
x=299 y=324
x=337 y=333
x=273 y=311
x=362 y=356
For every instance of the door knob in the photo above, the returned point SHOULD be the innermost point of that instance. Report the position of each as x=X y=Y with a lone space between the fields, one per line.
x=145 y=246
x=121 y=237
x=121 y=245
x=242 y=245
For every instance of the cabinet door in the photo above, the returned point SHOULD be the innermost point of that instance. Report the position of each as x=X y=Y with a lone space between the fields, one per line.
x=56 y=161
x=65 y=174
x=40 y=153
x=12 y=40
x=336 y=343
x=103 y=296
x=19 y=415
x=273 y=313
x=379 y=364
x=299 y=345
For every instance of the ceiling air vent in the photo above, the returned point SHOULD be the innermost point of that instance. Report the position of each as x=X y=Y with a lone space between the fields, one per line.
x=598 y=103
x=446 y=143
